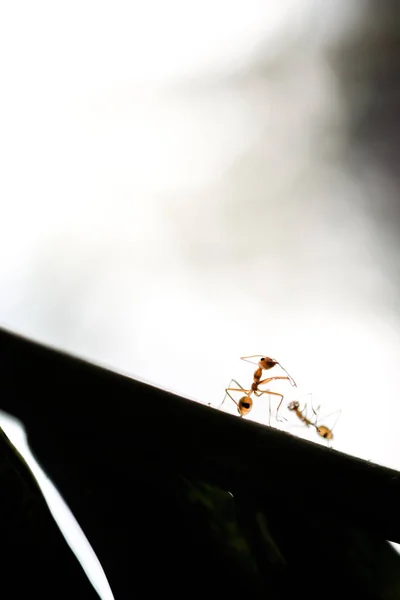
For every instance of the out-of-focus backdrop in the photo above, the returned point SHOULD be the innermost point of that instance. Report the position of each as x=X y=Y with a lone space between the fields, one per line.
x=187 y=183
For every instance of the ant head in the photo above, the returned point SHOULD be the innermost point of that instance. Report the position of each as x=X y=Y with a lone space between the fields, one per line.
x=267 y=363
x=293 y=405
x=325 y=432
x=245 y=405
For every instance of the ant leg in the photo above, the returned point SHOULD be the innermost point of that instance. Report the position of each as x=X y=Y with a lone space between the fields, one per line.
x=239 y=389
x=269 y=404
x=238 y=384
x=337 y=418
x=231 y=397
x=338 y=412
x=292 y=381
x=271 y=379
x=234 y=381
x=279 y=405
x=231 y=389
x=260 y=392
x=252 y=356
x=315 y=411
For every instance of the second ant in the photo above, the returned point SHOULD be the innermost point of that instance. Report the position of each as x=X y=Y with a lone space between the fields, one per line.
x=322 y=430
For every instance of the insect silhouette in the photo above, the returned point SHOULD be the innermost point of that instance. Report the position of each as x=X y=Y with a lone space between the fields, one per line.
x=322 y=430
x=245 y=403
x=265 y=364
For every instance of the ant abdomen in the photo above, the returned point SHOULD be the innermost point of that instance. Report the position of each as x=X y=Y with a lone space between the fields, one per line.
x=245 y=405
x=325 y=432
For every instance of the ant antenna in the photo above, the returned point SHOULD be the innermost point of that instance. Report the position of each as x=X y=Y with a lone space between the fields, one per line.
x=292 y=381
x=246 y=358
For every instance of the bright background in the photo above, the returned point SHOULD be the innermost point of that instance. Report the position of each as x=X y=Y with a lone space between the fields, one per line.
x=187 y=183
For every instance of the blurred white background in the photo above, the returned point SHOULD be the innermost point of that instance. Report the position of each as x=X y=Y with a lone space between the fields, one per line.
x=187 y=183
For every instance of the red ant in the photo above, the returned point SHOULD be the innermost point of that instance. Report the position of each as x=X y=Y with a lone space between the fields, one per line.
x=322 y=430
x=245 y=403
x=265 y=364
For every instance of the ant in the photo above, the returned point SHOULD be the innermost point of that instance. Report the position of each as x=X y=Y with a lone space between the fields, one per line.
x=264 y=364
x=322 y=430
x=245 y=403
